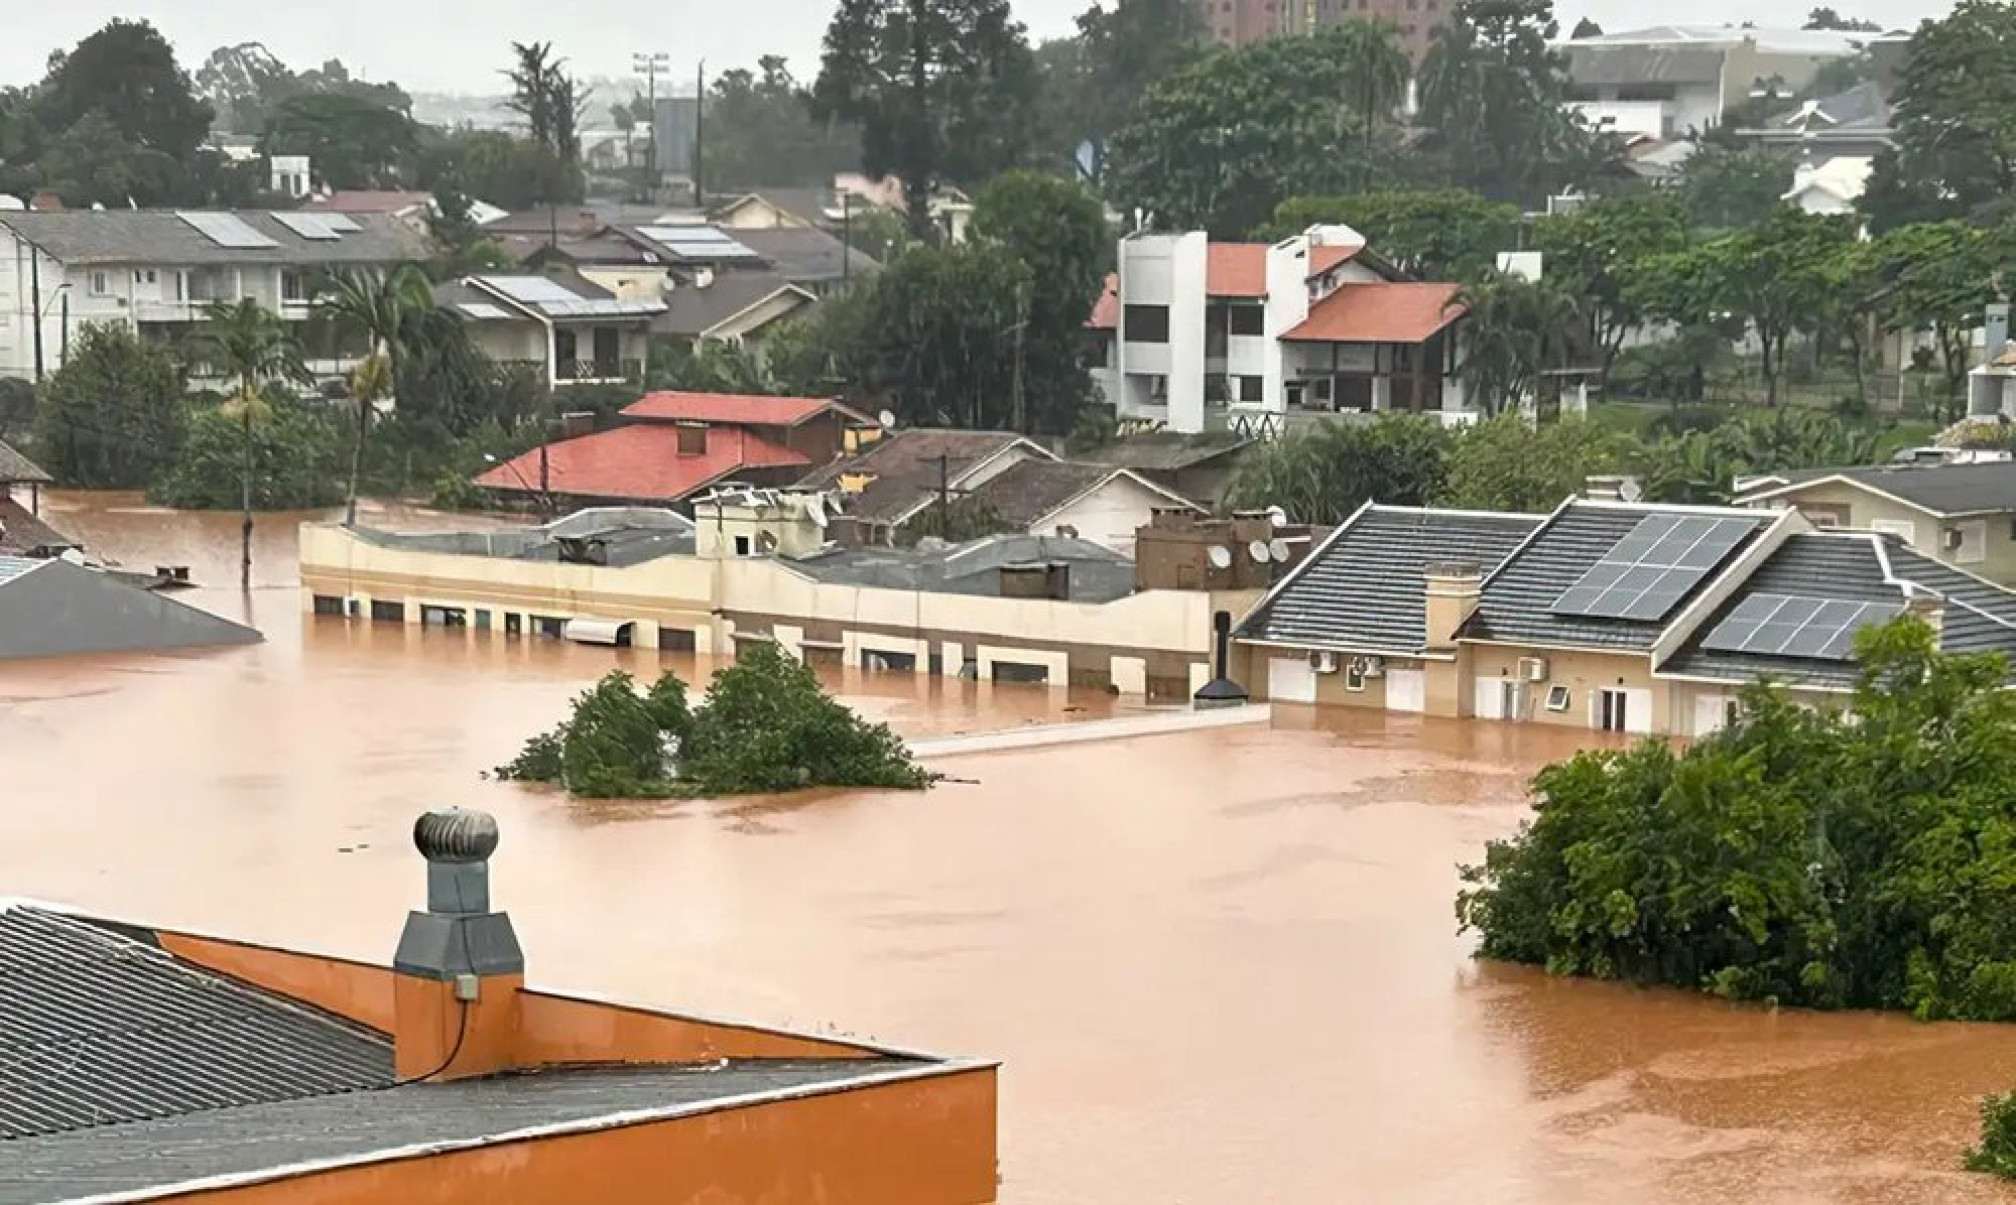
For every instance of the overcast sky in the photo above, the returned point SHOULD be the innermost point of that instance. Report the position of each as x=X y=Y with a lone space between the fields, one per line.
x=457 y=45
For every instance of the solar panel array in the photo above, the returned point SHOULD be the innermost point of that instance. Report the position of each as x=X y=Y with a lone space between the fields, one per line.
x=309 y=225
x=482 y=311
x=697 y=242
x=1648 y=572
x=342 y=223
x=228 y=230
x=1786 y=625
x=555 y=300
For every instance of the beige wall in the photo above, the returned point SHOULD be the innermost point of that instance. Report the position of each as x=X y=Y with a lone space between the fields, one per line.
x=1860 y=509
x=1108 y=515
x=1583 y=673
x=524 y=340
x=629 y=282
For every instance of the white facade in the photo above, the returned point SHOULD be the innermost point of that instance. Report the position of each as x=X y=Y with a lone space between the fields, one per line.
x=289 y=175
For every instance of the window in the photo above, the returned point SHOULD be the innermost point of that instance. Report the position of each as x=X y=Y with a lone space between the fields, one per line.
x=388 y=612
x=1248 y=320
x=741 y=545
x=293 y=286
x=101 y=284
x=144 y=276
x=1145 y=324
x=482 y=620
x=1557 y=698
x=692 y=439
x=1354 y=674
x=1611 y=709
x=1320 y=389
x=328 y=604
x=549 y=626
x=1250 y=388
x=676 y=640
x=1969 y=542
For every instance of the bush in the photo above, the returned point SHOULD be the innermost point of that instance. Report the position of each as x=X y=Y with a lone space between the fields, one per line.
x=114 y=414
x=1322 y=474
x=1802 y=857
x=1507 y=464
x=766 y=726
x=297 y=461
x=1997 y=1152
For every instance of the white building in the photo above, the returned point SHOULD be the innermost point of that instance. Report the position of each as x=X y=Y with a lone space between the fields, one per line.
x=158 y=273
x=1831 y=187
x=289 y=175
x=1663 y=81
x=575 y=331
x=1199 y=335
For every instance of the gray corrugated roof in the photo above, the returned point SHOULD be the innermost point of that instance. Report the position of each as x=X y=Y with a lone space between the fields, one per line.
x=16 y=467
x=151 y=1154
x=1027 y=491
x=905 y=468
x=630 y=535
x=99 y=1028
x=1978 y=617
x=1364 y=590
x=1603 y=64
x=156 y=236
x=64 y=608
x=1946 y=489
x=1516 y=607
x=1166 y=451
x=1098 y=574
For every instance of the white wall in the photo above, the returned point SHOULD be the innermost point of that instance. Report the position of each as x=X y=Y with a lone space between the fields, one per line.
x=1107 y=515
x=1166 y=269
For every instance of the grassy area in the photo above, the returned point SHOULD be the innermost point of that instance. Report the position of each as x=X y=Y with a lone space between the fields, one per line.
x=1644 y=420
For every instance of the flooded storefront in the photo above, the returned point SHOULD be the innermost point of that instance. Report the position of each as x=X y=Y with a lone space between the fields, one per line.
x=1218 y=966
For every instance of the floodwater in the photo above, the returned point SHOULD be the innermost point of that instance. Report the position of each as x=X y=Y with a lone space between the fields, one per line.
x=1217 y=966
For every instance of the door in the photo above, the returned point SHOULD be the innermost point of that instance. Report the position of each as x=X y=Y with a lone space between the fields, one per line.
x=1490 y=701
x=1616 y=709
x=566 y=355
x=608 y=353
x=1406 y=690
x=1291 y=680
x=1712 y=713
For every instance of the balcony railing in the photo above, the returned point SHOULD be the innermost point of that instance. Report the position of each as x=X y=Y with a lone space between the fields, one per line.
x=585 y=372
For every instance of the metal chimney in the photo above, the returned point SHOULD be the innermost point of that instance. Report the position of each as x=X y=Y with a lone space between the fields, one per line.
x=1221 y=691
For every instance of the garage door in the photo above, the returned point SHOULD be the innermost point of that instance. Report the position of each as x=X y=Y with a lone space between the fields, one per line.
x=1291 y=680
x=1406 y=690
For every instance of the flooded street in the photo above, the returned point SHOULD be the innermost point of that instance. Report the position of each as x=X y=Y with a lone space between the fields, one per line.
x=1218 y=967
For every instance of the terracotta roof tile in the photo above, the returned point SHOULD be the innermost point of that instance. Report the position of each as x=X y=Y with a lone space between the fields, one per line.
x=1236 y=270
x=1380 y=312
x=640 y=463
x=1106 y=310
x=756 y=410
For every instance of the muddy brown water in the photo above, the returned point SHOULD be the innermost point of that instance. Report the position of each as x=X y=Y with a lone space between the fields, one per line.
x=1217 y=967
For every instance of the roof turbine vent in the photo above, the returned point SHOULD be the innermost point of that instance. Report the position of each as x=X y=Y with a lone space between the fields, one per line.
x=455 y=835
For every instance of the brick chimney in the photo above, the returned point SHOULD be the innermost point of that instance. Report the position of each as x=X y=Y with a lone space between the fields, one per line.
x=458 y=971
x=1453 y=590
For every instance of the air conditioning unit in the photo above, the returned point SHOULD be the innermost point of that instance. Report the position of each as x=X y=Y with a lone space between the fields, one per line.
x=1370 y=667
x=1323 y=661
x=1533 y=669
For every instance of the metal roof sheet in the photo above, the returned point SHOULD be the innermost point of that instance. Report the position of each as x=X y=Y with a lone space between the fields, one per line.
x=159 y=236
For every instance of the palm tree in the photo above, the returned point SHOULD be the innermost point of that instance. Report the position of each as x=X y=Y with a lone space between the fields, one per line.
x=1372 y=57
x=252 y=345
x=1515 y=330
x=381 y=306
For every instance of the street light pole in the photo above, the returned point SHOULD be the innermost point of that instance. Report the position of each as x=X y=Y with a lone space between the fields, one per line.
x=648 y=64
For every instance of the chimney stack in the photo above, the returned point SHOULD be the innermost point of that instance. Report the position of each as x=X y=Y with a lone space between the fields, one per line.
x=1930 y=608
x=1453 y=588
x=1221 y=691
x=458 y=971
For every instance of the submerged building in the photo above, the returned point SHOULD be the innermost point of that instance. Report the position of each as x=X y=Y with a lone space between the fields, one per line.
x=53 y=607
x=140 y=1063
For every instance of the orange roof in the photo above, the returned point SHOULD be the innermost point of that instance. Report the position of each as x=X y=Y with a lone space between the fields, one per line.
x=1106 y=310
x=1380 y=312
x=1324 y=257
x=751 y=409
x=639 y=463
x=367 y=200
x=1235 y=270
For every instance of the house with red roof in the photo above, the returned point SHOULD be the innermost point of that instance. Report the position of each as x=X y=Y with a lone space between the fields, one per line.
x=1199 y=335
x=674 y=444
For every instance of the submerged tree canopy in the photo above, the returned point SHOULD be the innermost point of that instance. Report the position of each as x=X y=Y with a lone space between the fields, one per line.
x=1860 y=858
x=766 y=725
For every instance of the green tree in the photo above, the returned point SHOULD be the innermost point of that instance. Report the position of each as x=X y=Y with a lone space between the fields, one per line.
x=1827 y=18
x=1585 y=28
x=1515 y=332
x=294 y=456
x=1725 y=188
x=1220 y=143
x=1702 y=466
x=1323 y=474
x=127 y=73
x=252 y=346
x=761 y=132
x=92 y=163
x=550 y=102
x=1955 y=144
x=942 y=90
x=380 y=306
x=461 y=248
x=1493 y=93
x=351 y=142
x=1997 y=1150
x=113 y=415
x=1939 y=276
x=1594 y=253
x=1432 y=234
x=1092 y=81
x=1507 y=463
x=1852 y=858
x=1057 y=232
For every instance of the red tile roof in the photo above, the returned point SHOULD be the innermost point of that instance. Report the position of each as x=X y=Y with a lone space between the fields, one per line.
x=1381 y=312
x=1235 y=270
x=1324 y=257
x=641 y=462
x=755 y=410
x=1106 y=310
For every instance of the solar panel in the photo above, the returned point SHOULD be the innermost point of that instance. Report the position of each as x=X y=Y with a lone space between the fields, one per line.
x=342 y=223
x=483 y=310
x=697 y=242
x=227 y=230
x=1787 y=625
x=1655 y=565
x=308 y=225
x=532 y=290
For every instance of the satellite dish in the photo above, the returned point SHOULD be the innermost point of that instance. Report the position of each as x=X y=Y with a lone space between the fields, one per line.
x=1279 y=547
x=815 y=510
x=766 y=541
x=888 y=420
x=1258 y=550
x=1219 y=556
x=1277 y=516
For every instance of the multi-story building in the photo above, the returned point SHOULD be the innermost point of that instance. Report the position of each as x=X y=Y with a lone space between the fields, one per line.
x=1663 y=81
x=158 y=273
x=1201 y=335
x=1416 y=20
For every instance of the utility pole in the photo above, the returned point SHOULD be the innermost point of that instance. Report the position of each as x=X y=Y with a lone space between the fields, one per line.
x=846 y=237
x=699 y=134
x=1021 y=424
x=545 y=482
x=648 y=64
x=35 y=302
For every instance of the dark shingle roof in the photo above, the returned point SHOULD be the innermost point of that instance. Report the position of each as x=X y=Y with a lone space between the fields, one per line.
x=807 y=255
x=158 y=236
x=16 y=467
x=1944 y=489
x=100 y=1028
x=1978 y=616
x=1167 y=451
x=1363 y=590
x=905 y=467
x=1031 y=489
x=247 y=1141
x=1516 y=607
x=1097 y=573
x=23 y=533
x=691 y=310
